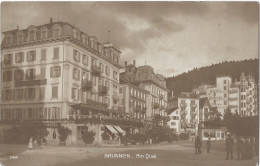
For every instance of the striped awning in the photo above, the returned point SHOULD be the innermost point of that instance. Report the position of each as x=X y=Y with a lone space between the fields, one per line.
x=120 y=130
x=110 y=128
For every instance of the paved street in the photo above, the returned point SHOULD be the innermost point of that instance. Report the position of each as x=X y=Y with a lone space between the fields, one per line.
x=176 y=154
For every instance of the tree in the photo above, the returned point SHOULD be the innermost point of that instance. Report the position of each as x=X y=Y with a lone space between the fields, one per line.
x=88 y=137
x=105 y=136
x=64 y=132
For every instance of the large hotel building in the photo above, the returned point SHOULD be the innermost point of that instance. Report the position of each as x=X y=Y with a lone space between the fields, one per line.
x=56 y=71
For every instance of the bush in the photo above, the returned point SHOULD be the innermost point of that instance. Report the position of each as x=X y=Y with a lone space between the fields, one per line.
x=64 y=132
x=21 y=133
x=184 y=136
x=105 y=136
x=88 y=137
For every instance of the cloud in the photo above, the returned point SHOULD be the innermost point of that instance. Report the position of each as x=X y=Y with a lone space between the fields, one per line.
x=173 y=37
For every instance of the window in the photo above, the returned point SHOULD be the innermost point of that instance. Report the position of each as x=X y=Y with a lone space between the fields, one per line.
x=31 y=93
x=76 y=74
x=19 y=57
x=225 y=102
x=20 y=38
x=94 y=80
x=56 y=32
x=55 y=113
x=56 y=53
x=7 y=76
x=76 y=55
x=19 y=94
x=101 y=67
x=30 y=74
x=32 y=35
x=55 y=71
x=43 y=54
x=120 y=90
x=225 y=81
x=41 y=92
x=173 y=123
x=18 y=75
x=115 y=75
x=7 y=95
x=9 y=39
x=54 y=92
x=75 y=94
x=44 y=34
x=42 y=73
x=31 y=56
x=107 y=71
x=8 y=59
x=29 y=113
x=225 y=88
x=85 y=59
x=225 y=95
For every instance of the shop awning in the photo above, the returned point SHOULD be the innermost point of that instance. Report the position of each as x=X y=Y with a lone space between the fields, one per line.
x=120 y=130
x=110 y=128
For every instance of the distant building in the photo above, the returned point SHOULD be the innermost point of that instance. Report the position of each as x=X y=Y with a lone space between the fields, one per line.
x=238 y=96
x=188 y=105
x=145 y=78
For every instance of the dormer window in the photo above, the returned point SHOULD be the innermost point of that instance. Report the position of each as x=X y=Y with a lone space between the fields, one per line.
x=44 y=34
x=9 y=39
x=32 y=35
x=76 y=34
x=20 y=38
x=56 y=31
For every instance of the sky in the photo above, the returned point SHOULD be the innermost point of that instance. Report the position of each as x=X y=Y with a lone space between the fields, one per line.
x=172 y=37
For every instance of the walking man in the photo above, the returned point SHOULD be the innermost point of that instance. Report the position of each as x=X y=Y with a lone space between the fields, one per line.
x=229 y=147
x=239 y=147
x=208 y=145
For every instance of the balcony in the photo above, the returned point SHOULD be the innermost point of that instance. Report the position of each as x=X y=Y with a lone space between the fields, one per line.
x=183 y=104
x=156 y=105
x=183 y=121
x=96 y=104
x=192 y=105
x=30 y=83
x=86 y=85
x=233 y=91
x=193 y=112
x=115 y=97
x=6 y=84
x=143 y=111
x=161 y=97
x=183 y=112
x=102 y=90
x=193 y=120
x=232 y=98
x=96 y=71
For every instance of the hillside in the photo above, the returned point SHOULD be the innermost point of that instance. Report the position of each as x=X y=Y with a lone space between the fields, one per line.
x=185 y=82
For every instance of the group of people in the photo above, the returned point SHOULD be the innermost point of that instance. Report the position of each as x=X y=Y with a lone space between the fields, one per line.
x=33 y=143
x=245 y=148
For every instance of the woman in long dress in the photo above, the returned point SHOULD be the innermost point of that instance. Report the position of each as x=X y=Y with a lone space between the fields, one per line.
x=30 y=146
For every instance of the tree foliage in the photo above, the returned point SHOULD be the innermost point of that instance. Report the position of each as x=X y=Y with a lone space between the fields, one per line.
x=64 y=132
x=88 y=137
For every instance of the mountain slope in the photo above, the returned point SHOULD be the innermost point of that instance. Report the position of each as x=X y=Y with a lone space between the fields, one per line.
x=185 y=82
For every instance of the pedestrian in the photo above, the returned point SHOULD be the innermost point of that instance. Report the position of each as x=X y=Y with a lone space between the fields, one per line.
x=30 y=145
x=240 y=145
x=196 y=145
x=247 y=150
x=251 y=144
x=229 y=147
x=199 y=145
x=208 y=145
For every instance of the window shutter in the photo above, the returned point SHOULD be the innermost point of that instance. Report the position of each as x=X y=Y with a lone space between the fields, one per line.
x=72 y=93
x=79 y=75
x=25 y=93
x=58 y=113
x=27 y=57
x=22 y=56
x=78 y=94
x=13 y=95
x=34 y=75
x=51 y=72
x=34 y=55
x=16 y=54
x=15 y=75
x=3 y=95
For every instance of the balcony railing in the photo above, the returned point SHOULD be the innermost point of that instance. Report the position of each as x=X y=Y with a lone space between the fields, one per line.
x=193 y=120
x=156 y=105
x=232 y=98
x=115 y=97
x=193 y=105
x=161 y=97
x=86 y=85
x=183 y=104
x=183 y=112
x=96 y=71
x=102 y=90
x=95 y=103
x=183 y=121
x=193 y=112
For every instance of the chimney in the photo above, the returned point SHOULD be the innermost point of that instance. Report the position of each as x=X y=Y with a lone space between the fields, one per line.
x=134 y=63
x=125 y=63
x=50 y=20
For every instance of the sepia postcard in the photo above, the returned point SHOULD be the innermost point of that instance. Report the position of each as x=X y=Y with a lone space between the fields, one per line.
x=140 y=83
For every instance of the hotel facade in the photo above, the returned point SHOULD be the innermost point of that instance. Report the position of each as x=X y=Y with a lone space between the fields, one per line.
x=56 y=71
